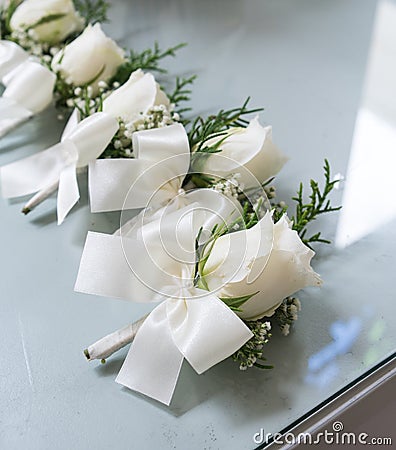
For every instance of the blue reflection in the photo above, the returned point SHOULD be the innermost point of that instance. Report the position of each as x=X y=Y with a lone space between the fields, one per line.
x=321 y=365
x=322 y=378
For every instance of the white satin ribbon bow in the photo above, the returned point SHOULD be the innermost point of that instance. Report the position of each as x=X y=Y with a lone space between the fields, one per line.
x=162 y=159
x=29 y=91
x=155 y=262
x=79 y=145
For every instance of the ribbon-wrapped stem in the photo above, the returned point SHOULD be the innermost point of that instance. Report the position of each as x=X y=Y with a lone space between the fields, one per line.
x=40 y=197
x=105 y=347
x=44 y=193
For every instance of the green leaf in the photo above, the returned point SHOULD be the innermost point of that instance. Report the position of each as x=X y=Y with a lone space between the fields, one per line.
x=263 y=366
x=12 y=6
x=182 y=91
x=48 y=19
x=235 y=303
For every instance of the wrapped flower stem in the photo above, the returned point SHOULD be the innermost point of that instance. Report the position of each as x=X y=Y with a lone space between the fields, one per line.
x=105 y=347
x=40 y=197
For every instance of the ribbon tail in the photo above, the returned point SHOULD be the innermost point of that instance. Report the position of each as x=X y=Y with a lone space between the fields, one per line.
x=68 y=192
x=153 y=363
x=208 y=332
x=103 y=268
x=11 y=115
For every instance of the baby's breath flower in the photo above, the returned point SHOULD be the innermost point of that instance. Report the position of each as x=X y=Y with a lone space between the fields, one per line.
x=53 y=51
x=230 y=186
x=249 y=355
x=287 y=313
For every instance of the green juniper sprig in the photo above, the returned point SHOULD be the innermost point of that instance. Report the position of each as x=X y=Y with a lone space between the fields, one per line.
x=214 y=126
x=217 y=125
x=182 y=93
x=147 y=60
x=92 y=10
x=319 y=203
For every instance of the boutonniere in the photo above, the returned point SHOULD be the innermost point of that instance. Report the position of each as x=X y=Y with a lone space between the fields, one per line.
x=213 y=283
x=82 y=142
x=200 y=251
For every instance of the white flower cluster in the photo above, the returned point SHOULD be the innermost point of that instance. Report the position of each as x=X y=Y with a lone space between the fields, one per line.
x=230 y=186
x=248 y=355
x=270 y=191
x=82 y=97
x=287 y=313
x=28 y=40
x=158 y=116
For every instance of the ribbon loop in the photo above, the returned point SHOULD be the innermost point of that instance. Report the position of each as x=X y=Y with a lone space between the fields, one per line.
x=11 y=56
x=204 y=329
x=32 y=86
x=84 y=142
x=28 y=92
x=91 y=136
x=163 y=159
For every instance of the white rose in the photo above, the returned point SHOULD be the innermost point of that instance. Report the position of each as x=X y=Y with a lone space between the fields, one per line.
x=92 y=57
x=51 y=20
x=269 y=259
x=135 y=97
x=251 y=147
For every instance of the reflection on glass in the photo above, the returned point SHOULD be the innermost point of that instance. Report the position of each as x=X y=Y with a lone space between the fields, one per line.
x=370 y=191
x=322 y=366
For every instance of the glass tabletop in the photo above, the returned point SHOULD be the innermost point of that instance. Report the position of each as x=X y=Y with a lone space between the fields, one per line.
x=324 y=71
